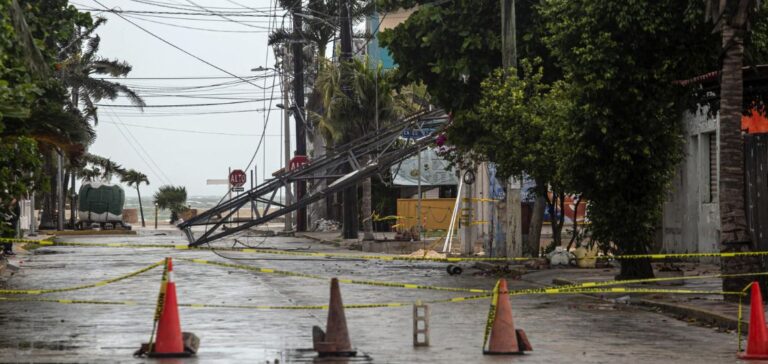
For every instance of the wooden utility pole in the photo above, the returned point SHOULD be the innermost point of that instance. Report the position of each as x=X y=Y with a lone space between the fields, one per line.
x=350 y=223
x=298 y=95
x=510 y=214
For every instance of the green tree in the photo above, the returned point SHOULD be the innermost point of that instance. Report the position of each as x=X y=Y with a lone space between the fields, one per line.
x=621 y=59
x=18 y=157
x=348 y=116
x=107 y=167
x=133 y=177
x=78 y=71
x=34 y=103
x=518 y=122
x=452 y=47
x=172 y=198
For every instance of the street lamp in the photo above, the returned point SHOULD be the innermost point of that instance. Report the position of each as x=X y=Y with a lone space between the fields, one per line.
x=262 y=69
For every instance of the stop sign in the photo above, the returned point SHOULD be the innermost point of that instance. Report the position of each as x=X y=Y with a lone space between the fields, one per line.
x=237 y=178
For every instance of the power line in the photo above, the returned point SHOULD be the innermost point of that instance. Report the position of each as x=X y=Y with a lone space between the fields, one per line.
x=180 y=105
x=190 y=131
x=224 y=16
x=180 y=78
x=130 y=144
x=269 y=109
x=192 y=113
x=177 y=47
x=195 y=28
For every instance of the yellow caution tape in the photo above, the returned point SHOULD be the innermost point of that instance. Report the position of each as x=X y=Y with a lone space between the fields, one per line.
x=739 y=316
x=79 y=287
x=477 y=199
x=203 y=305
x=374 y=305
x=262 y=251
x=377 y=257
x=341 y=280
x=491 y=313
x=471 y=290
x=663 y=279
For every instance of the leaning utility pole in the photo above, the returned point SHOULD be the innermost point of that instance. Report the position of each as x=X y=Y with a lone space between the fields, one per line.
x=349 y=215
x=298 y=95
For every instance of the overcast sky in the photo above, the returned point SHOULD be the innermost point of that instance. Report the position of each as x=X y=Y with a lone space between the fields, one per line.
x=187 y=145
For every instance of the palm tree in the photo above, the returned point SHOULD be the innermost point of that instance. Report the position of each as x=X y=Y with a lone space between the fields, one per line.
x=133 y=177
x=732 y=17
x=349 y=116
x=321 y=23
x=173 y=198
x=90 y=174
x=78 y=69
x=76 y=72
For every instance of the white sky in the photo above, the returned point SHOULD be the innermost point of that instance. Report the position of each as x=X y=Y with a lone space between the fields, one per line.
x=183 y=158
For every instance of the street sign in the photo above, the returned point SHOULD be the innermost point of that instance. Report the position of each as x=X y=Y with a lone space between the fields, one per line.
x=411 y=133
x=238 y=189
x=237 y=178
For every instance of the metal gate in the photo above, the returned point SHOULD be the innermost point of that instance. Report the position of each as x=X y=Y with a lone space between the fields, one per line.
x=756 y=169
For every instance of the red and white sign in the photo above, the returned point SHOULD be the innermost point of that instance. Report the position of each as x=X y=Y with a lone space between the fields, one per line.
x=237 y=178
x=298 y=162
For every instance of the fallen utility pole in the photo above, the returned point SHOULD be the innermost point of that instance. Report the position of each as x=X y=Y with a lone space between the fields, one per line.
x=379 y=148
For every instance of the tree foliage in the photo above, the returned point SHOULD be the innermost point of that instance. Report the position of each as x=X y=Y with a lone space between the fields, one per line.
x=173 y=198
x=350 y=115
x=622 y=59
x=449 y=47
x=519 y=121
x=18 y=156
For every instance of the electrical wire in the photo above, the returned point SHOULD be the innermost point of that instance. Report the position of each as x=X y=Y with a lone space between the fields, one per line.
x=195 y=28
x=192 y=113
x=224 y=16
x=190 y=131
x=149 y=156
x=177 y=47
x=130 y=144
x=180 y=105
x=179 y=78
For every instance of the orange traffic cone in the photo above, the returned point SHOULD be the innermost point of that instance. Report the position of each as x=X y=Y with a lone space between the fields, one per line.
x=169 y=341
x=334 y=342
x=504 y=338
x=757 y=339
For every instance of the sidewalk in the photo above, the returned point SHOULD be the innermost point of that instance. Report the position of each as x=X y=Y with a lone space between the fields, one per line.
x=707 y=309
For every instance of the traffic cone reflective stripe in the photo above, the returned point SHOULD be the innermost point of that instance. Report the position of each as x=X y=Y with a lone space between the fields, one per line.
x=504 y=338
x=757 y=339
x=335 y=341
x=169 y=338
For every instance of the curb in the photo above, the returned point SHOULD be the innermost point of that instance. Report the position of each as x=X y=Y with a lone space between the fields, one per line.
x=724 y=322
x=86 y=232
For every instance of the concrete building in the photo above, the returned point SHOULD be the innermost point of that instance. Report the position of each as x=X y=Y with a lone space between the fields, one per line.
x=691 y=216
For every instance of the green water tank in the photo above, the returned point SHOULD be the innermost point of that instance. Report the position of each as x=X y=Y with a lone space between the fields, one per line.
x=100 y=202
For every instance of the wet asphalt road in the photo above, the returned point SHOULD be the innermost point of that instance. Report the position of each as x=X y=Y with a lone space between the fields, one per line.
x=562 y=329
